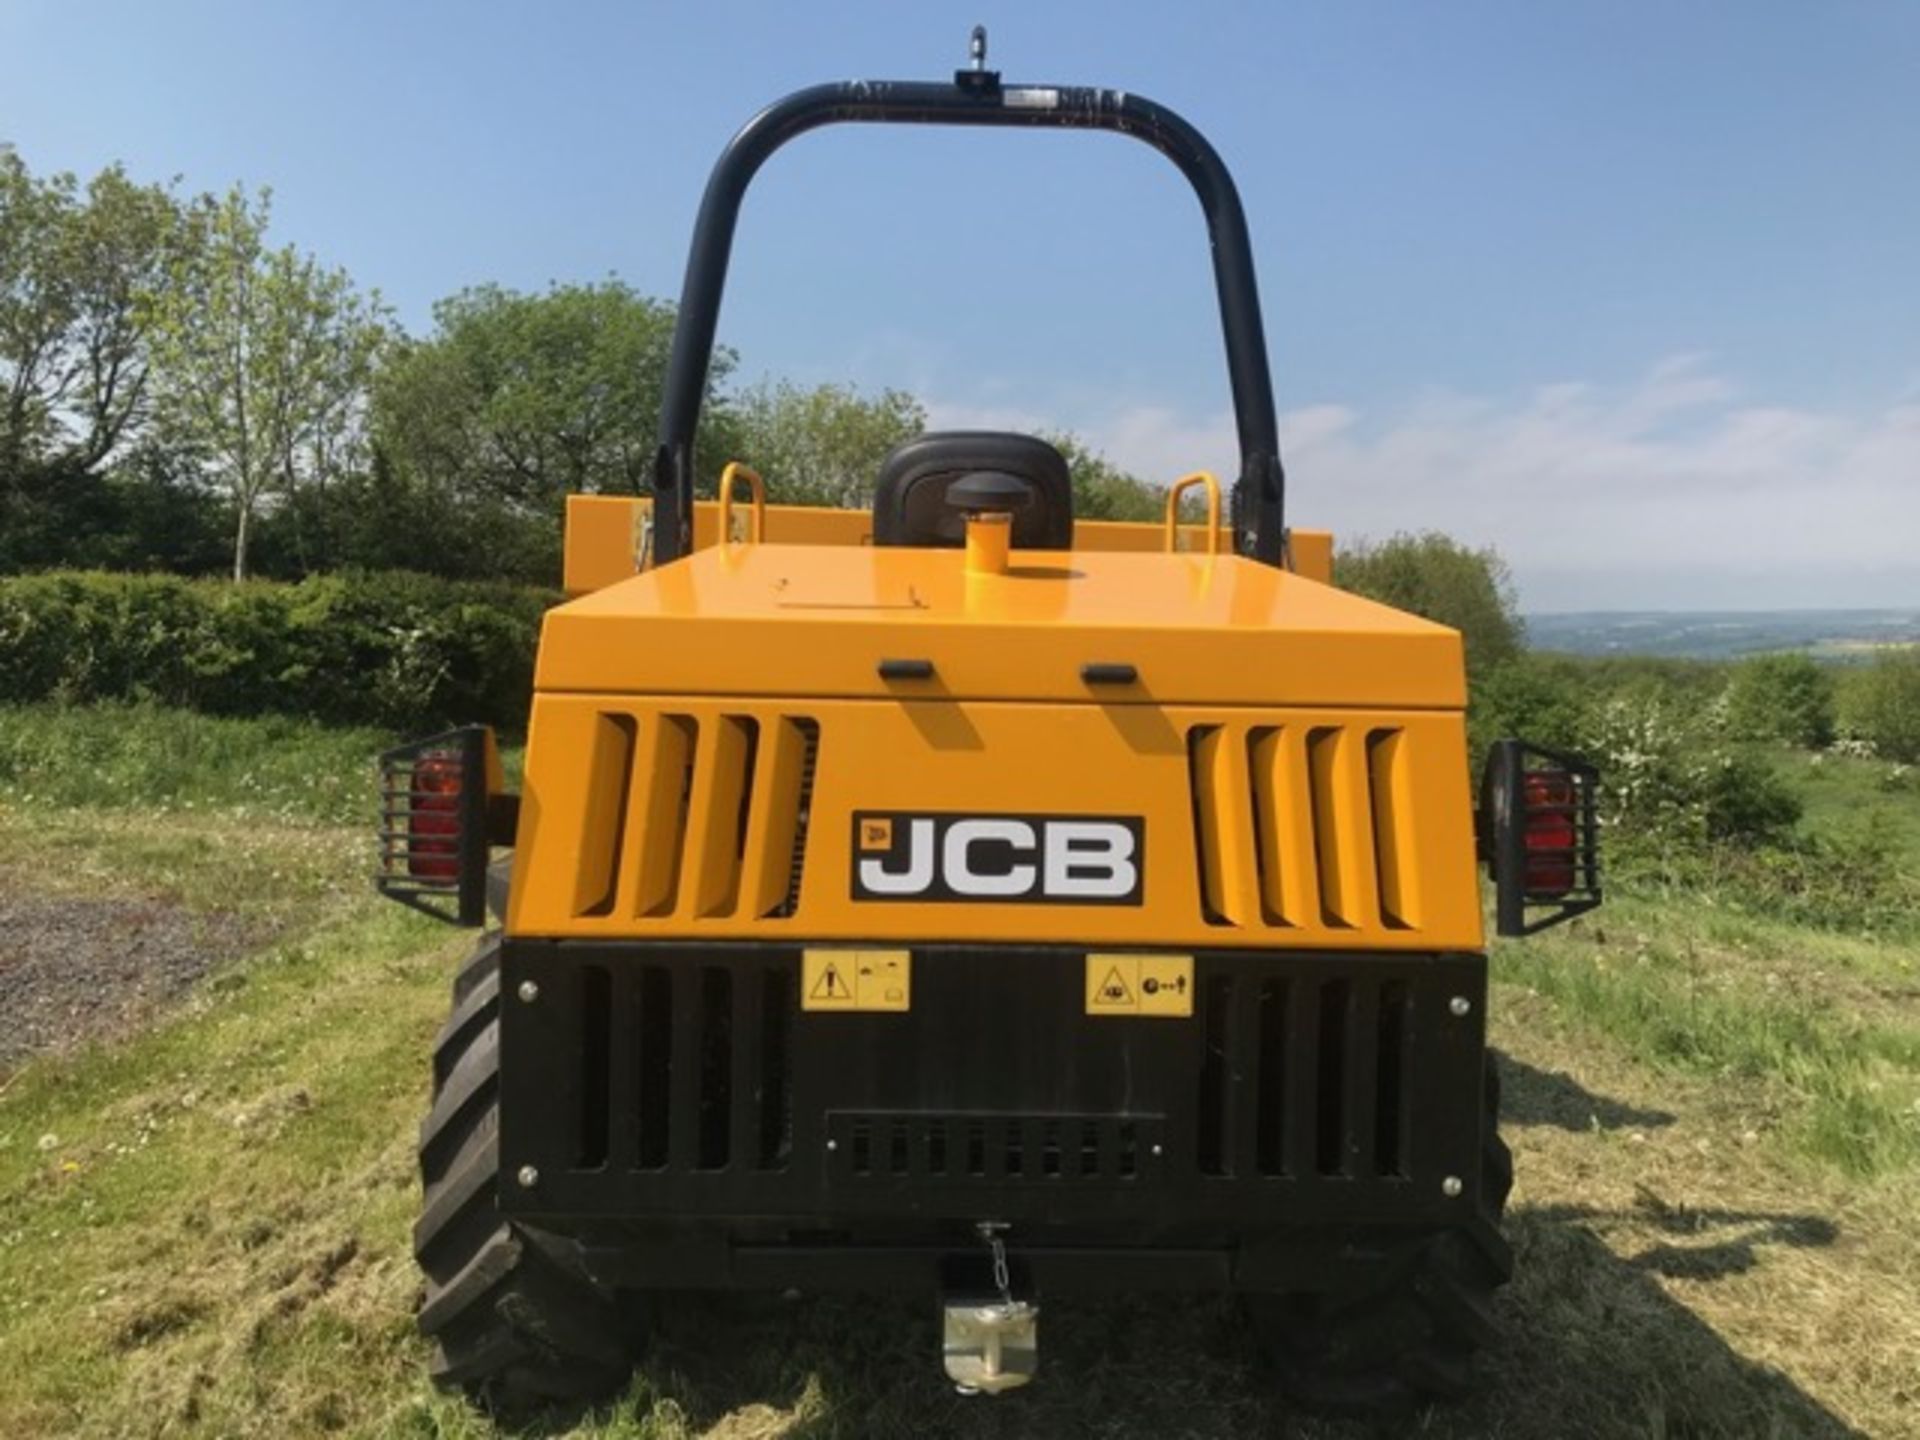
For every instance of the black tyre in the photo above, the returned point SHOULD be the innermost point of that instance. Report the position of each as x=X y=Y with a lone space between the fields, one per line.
x=513 y=1319
x=1411 y=1339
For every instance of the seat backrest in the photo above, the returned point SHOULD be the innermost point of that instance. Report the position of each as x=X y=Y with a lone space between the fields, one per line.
x=910 y=501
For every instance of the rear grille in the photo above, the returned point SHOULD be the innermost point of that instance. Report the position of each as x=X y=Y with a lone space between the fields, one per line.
x=687 y=1068
x=878 y=1145
x=684 y=1080
x=1303 y=1078
x=696 y=817
x=1303 y=827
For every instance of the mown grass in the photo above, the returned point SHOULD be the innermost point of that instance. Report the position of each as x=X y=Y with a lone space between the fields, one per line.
x=185 y=1218
x=1833 y=1046
x=204 y=1227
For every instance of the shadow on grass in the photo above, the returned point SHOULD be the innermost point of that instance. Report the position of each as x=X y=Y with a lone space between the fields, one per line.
x=1531 y=1096
x=1591 y=1345
x=1727 y=1238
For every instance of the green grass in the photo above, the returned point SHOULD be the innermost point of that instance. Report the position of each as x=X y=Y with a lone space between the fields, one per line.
x=162 y=761
x=199 y=1224
x=1840 y=792
x=1818 y=1023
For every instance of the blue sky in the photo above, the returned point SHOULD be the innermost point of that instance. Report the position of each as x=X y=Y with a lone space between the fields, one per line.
x=1631 y=290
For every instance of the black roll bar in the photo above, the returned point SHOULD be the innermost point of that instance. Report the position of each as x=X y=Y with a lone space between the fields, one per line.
x=976 y=97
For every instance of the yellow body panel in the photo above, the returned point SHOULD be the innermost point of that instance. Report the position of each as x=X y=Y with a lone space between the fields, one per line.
x=681 y=816
x=705 y=734
x=811 y=620
x=606 y=536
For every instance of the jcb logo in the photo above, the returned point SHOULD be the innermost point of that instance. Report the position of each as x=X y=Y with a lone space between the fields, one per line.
x=1059 y=859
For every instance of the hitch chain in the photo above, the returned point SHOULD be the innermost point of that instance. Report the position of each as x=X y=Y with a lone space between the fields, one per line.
x=990 y=1345
x=997 y=1247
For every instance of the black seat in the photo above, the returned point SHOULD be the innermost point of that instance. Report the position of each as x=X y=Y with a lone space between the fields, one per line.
x=910 y=502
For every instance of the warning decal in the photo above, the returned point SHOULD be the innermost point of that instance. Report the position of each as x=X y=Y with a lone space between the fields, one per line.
x=1159 y=985
x=831 y=985
x=856 y=979
x=1113 y=990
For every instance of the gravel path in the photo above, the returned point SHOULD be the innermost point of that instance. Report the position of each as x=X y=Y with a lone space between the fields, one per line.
x=73 y=968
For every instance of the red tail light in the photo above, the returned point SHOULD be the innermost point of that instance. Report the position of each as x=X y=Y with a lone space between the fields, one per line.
x=1538 y=835
x=433 y=823
x=443 y=804
x=1548 y=801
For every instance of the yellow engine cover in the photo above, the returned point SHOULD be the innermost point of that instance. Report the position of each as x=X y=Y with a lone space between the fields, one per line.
x=815 y=620
x=730 y=818
x=717 y=752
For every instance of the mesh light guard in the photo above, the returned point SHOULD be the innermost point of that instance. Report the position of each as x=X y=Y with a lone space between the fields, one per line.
x=432 y=839
x=1564 y=794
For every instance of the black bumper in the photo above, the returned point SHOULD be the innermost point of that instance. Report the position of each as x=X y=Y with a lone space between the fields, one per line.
x=673 y=1104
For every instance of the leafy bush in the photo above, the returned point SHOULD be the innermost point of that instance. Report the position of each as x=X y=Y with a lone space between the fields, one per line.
x=1654 y=767
x=1880 y=705
x=1682 y=808
x=1744 y=802
x=1670 y=785
x=1786 y=697
x=1436 y=576
x=1848 y=878
x=1542 y=698
x=398 y=651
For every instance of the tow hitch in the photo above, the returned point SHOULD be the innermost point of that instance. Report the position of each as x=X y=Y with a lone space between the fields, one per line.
x=990 y=1341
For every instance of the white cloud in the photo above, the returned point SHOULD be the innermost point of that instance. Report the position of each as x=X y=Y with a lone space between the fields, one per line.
x=1668 y=491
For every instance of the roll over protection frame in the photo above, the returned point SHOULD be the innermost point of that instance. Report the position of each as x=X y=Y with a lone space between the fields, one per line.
x=976 y=97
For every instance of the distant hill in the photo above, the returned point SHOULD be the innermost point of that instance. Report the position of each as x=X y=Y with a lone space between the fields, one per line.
x=1719 y=635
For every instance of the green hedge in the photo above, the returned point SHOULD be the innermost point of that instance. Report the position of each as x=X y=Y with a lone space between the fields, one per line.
x=400 y=651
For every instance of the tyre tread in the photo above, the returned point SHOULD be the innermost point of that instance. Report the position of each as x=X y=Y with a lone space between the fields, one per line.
x=513 y=1318
x=1410 y=1339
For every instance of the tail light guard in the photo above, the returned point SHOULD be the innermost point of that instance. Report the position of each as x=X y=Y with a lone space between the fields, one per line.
x=443 y=805
x=1538 y=833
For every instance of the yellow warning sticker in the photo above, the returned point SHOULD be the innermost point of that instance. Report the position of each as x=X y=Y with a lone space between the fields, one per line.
x=856 y=979
x=1140 y=985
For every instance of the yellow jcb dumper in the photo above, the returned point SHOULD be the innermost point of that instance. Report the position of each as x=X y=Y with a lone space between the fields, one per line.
x=957 y=897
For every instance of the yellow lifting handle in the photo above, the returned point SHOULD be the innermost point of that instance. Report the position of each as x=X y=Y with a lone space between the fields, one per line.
x=1180 y=487
x=757 y=521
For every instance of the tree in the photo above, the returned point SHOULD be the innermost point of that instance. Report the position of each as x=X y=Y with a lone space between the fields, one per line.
x=78 y=274
x=262 y=359
x=1786 y=697
x=483 y=427
x=819 y=446
x=121 y=245
x=35 y=307
x=1104 y=491
x=524 y=398
x=1436 y=576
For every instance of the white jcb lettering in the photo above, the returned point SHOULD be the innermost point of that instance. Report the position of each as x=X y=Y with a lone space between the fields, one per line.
x=957 y=861
x=998 y=857
x=1089 y=859
x=875 y=877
